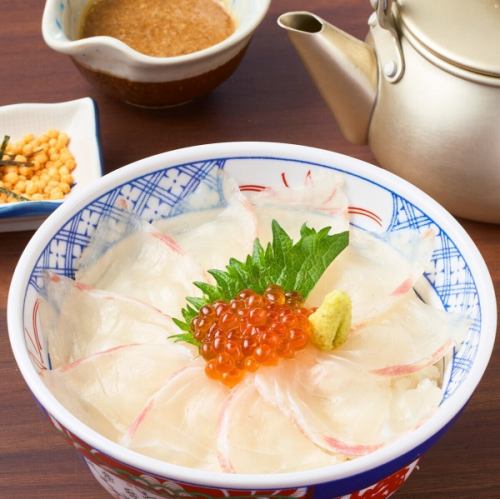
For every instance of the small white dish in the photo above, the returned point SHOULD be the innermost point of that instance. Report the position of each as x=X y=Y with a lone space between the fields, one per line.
x=80 y=120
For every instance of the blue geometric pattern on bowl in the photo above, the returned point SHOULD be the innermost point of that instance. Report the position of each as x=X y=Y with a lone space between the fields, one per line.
x=160 y=194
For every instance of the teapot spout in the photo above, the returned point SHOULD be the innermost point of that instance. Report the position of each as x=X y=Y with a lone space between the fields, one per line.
x=343 y=68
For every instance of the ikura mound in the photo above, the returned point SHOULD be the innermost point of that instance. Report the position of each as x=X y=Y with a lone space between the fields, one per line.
x=267 y=336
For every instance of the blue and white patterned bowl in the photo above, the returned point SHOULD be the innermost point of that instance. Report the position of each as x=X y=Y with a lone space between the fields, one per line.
x=153 y=188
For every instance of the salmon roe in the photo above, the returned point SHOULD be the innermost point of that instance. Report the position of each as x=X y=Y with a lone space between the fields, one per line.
x=249 y=331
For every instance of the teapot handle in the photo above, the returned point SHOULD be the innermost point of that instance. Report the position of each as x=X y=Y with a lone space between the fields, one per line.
x=390 y=52
x=384 y=13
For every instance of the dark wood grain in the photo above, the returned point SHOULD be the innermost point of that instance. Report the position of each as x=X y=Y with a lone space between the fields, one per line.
x=269 y=98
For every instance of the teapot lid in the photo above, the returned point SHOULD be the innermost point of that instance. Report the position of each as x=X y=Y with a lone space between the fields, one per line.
x=466 y=33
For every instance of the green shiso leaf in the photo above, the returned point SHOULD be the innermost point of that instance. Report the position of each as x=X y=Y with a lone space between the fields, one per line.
x=185 y=337
x=293 y=266
x=12 y=194
x=5 y=143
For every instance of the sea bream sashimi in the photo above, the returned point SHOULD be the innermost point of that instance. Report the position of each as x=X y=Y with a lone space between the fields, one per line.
x=375 y=271
x=134 y=259
x=339 y=407
x=109 y=389
x=235 y=225
x=409 y=337
x=313 y=198
x=255 y=436
x=179 y=423
x=79 y=321
x=342 y=408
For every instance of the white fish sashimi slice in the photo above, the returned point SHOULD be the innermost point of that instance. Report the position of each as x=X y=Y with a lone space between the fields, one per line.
x=317 y=199
x=211 y=190
x=144 y=264
x=179 y=423
x=416 y=247
x=79 y=321
x=339 y=407
x=190 y=220
x=375 y=272
x=256 y=437
x=230 y=235
x=411 y=336
x=109 y=389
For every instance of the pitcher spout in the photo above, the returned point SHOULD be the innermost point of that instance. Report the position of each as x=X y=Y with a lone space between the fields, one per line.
x=343 y=68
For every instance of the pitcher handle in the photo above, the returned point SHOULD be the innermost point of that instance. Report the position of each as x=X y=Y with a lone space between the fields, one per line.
x=392 y=58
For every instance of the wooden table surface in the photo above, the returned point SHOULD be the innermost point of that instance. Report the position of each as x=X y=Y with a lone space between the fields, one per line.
x=269 y=98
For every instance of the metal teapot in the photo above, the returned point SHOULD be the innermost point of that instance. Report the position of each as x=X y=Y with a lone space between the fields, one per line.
x=423 y=91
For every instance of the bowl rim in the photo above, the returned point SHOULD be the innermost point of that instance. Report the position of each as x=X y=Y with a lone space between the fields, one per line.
x=388 y=453
x=71 y=47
